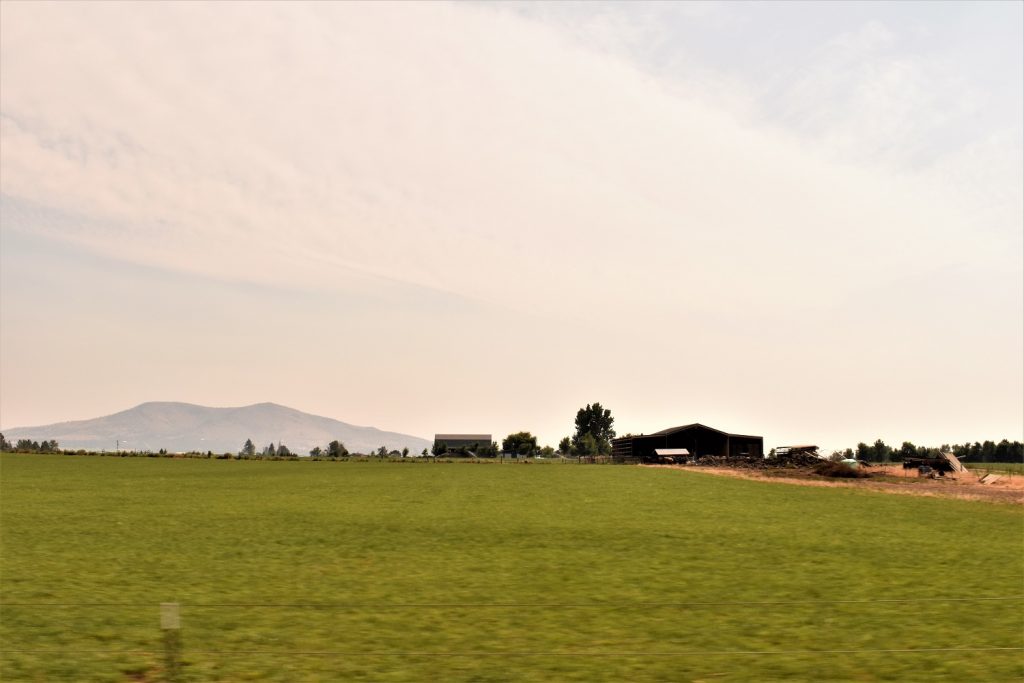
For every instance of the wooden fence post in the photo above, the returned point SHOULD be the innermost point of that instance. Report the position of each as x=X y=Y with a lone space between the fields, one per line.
x=170 y=624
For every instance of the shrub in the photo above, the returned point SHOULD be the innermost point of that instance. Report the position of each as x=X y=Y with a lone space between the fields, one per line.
x=840 y=470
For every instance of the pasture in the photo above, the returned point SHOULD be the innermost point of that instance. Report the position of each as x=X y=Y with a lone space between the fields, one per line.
x=1014 y=468
x=413 y=571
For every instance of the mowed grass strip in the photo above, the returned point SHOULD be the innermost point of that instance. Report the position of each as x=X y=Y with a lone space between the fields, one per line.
x=293 y=571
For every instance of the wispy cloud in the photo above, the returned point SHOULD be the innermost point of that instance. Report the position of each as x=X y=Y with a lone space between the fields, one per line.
x=256 y=140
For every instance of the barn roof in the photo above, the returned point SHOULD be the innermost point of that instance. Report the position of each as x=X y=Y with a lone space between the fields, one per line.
x=673 y=430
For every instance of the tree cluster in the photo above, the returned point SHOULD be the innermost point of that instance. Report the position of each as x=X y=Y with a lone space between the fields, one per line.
x=268 y=451
x=334 y=449
x=986 y=451
x=29 y=446
x=594 y=432
x=520 y=443
x=473 y=450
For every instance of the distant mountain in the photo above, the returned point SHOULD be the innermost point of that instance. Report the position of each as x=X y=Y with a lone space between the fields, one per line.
x=182 y=427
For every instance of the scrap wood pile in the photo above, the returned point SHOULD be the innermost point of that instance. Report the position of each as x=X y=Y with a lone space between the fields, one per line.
x=728 y=461
x=790 y=461
x=795 y=460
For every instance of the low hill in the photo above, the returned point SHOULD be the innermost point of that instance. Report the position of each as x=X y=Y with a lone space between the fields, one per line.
x=180 y=427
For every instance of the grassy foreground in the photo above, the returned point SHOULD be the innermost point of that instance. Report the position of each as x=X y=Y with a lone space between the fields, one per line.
x=302 y=571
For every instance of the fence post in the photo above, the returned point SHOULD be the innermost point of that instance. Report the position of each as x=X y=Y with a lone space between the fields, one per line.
x=170 y=624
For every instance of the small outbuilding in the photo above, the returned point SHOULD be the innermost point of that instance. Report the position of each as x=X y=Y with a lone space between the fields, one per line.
x=696 y=439
x=671 y=454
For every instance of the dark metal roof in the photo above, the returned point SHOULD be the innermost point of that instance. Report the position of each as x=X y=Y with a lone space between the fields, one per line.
x=673 y=430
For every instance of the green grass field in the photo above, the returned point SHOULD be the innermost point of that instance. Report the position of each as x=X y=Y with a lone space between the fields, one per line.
x=302 y=571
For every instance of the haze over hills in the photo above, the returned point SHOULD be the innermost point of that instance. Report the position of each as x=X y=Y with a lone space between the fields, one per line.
x=180 y=427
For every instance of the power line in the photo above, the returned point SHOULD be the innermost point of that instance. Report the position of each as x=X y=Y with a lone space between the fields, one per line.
x=529 y=653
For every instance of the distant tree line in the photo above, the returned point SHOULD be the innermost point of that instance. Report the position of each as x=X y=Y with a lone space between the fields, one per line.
x=29 y=446
x=593 y=436
x=473 y=450
x=51 y=446
x=979 y=451
x=517 y=444
x=332 y=451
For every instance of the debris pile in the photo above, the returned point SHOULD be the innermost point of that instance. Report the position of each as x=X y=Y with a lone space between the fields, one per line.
x=794 y=459
x=840 y=470
x=791 y=461
x=939 y=466
x=729 y=461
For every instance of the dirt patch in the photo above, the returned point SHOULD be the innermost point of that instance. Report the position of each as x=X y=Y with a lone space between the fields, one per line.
x=886 y=479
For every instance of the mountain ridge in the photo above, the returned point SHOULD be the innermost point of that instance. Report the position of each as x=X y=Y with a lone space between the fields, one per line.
x=178 y=426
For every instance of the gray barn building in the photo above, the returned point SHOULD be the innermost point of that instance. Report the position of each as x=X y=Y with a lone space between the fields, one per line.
x=471 y=442
x=698 y=439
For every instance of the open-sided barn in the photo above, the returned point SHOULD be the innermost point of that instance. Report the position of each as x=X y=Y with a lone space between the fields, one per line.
x=698 y=439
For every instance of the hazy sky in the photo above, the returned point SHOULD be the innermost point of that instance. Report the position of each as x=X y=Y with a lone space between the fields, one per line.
x=797 y=220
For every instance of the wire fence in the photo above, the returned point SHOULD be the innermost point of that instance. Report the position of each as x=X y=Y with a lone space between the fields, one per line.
x=512 y=605
x=526 y=653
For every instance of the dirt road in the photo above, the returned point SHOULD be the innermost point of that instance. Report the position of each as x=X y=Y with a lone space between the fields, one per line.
x=887 y=479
